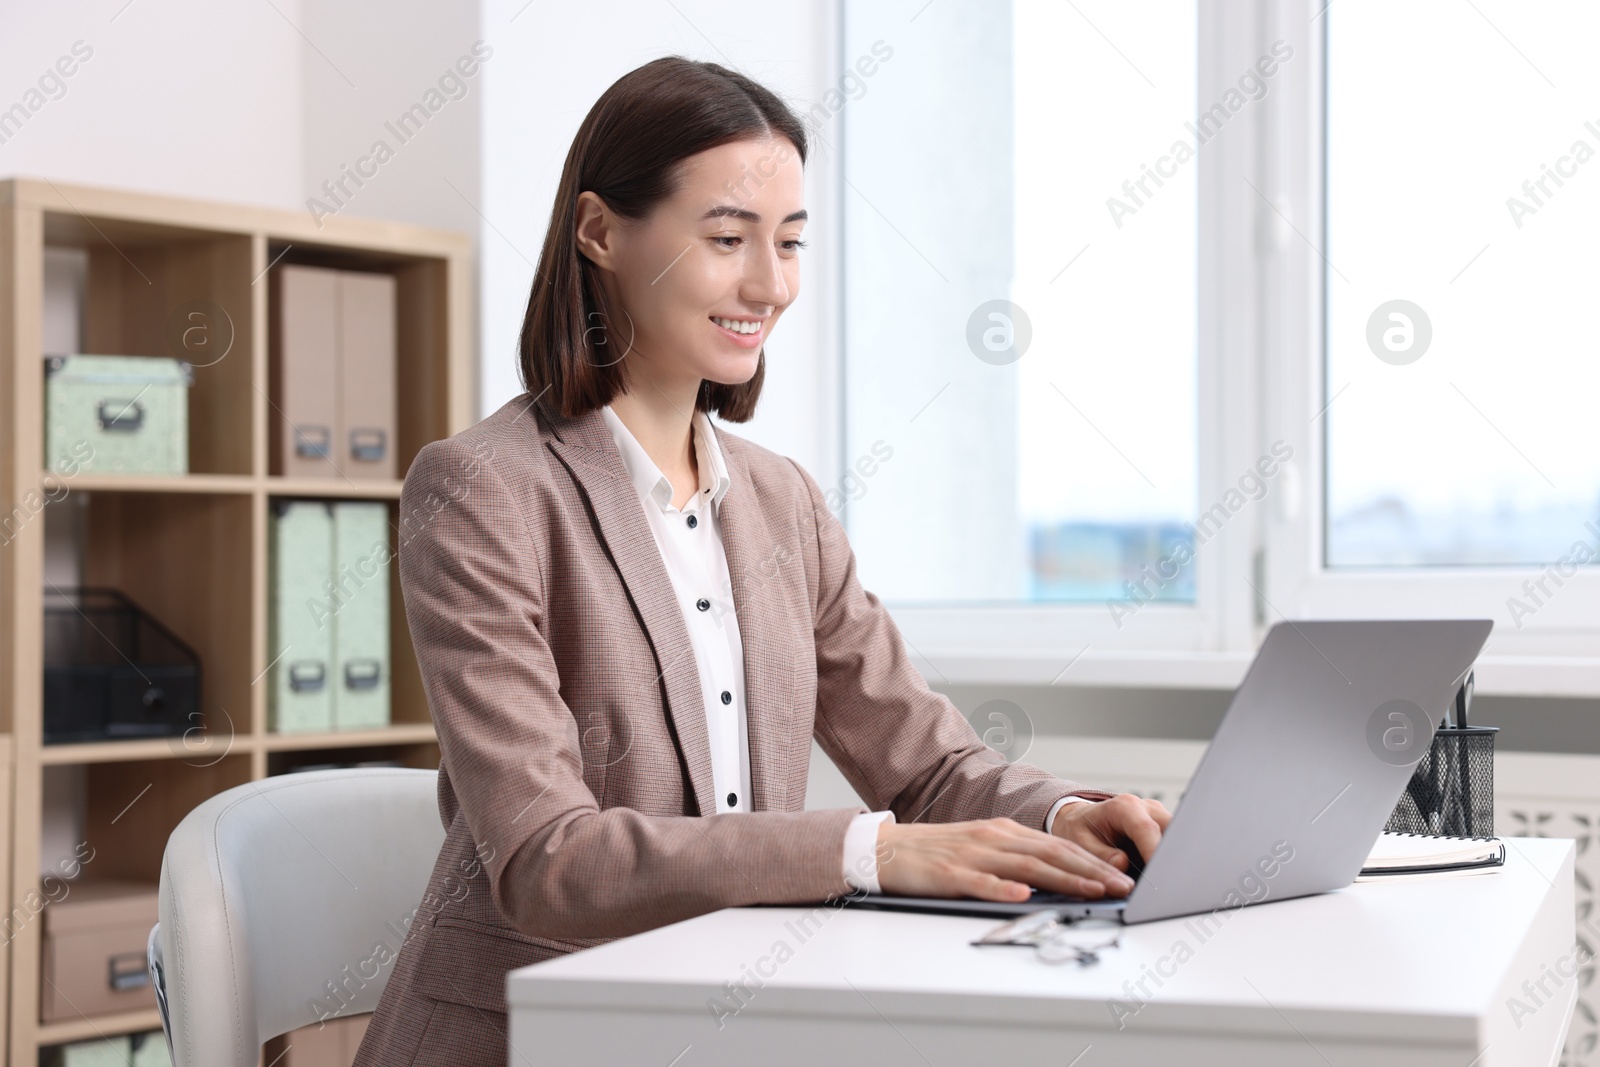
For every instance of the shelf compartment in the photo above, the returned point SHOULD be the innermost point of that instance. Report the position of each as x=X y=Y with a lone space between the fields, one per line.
x=132 y=807
x=422 y=337
x=187 y=559
x=408 y=700
x=156 y=291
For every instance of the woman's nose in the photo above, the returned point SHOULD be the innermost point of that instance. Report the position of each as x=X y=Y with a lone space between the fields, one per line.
x=765 y=282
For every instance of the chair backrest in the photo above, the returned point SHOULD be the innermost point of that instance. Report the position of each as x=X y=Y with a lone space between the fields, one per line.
x=285 y=901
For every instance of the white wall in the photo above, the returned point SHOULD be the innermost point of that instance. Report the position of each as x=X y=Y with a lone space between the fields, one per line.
x=255 y=103
x=180 y=97
x=373 y=61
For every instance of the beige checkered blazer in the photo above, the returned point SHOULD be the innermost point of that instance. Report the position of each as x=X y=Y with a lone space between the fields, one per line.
x=574 y=755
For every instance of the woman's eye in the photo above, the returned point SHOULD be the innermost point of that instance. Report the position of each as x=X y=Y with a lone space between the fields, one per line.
x=792 y=245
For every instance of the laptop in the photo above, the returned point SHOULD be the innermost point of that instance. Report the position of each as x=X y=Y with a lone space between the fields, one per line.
x=1311 y=758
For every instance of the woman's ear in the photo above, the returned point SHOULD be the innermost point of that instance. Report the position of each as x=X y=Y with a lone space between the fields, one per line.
x=595 y=230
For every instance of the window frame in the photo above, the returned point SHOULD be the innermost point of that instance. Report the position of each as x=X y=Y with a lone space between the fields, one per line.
x=1261 y=344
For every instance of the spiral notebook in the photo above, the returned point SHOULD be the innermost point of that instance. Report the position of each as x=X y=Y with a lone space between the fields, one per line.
x=1403 y=854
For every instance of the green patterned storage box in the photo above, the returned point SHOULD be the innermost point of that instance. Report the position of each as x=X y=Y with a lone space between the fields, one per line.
x=361 y=560
x=299 y=624
x=131 y=411
x=328 y=630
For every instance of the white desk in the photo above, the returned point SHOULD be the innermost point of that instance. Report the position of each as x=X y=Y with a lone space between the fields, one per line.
x=1415 y=973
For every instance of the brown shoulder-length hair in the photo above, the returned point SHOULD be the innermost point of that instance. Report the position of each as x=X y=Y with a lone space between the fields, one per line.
x=627 y=152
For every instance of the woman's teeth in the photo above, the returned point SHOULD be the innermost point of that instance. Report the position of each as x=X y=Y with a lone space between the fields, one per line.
x=737 y=326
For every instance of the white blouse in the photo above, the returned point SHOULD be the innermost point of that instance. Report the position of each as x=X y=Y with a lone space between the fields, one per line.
x=690 y=540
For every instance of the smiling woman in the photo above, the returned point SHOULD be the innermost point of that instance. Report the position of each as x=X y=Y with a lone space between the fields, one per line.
x=634 y=624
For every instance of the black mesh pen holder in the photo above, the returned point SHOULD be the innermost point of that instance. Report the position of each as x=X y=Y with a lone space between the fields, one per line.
x=1451 y=792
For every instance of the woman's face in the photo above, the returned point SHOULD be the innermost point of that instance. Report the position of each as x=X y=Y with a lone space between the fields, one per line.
x=723 y=251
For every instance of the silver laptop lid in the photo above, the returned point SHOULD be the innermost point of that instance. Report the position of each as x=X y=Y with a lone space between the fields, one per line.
x=1309 y=762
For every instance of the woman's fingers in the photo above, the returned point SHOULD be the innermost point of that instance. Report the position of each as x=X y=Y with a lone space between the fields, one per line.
x=994 y=859
x=986 y=886
x=1092 y=859
x=1125 y=817
x=1108 y=852
x=1034 y=871
x=1158 y=811
x=1140 y=821
x=1014 y=853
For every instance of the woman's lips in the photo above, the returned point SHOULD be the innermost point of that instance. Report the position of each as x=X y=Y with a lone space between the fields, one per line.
x=743 y=340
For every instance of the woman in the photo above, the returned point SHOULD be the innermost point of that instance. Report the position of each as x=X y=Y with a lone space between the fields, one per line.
x=631 y=625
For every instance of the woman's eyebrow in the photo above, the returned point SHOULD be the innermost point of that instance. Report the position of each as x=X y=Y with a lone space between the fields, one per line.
x=723 y=210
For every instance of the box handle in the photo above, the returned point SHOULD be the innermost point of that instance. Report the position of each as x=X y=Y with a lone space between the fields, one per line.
x=308 y=675
x=129 y=970
x=368 y=443
x=362 y=674
x=127 y=416
x=312 y=442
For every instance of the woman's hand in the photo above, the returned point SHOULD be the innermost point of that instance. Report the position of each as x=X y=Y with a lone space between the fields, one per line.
x=1105 y=827
x=1000 y=859
x=991 y=859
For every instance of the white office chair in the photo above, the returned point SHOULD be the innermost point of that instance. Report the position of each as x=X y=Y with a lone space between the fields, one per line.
x=274 y=896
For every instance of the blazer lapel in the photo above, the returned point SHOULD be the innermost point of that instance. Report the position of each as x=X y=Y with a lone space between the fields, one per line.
x=754 y=566
x=585 y=446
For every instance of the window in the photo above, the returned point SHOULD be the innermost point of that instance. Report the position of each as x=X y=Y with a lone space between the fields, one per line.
x=1020 y=304
x=1338 y=356
x=1460 y=348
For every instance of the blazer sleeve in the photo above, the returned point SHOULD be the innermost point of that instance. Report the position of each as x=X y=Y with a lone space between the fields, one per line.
x=900 y=744
x=558 y=865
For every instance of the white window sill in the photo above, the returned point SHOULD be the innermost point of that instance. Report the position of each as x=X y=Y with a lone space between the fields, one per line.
x=1497 y=675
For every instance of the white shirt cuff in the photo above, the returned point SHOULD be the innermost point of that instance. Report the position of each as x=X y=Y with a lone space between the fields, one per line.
x=861 y=850
x=1050 y=819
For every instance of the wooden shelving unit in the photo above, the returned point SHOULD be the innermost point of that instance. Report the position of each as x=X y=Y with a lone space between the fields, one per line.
x=193 y=548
